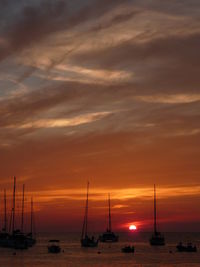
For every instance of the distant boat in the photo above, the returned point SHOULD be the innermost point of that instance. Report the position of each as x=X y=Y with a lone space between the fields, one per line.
x=128 y=249
x=189 y=248
x=109 y=236
x=30 y=237
x=86 y=241
x=17 y=239
x=22 y=240
x=13 y=239
x=53 y=246
x=157 y=238
x=4 y=235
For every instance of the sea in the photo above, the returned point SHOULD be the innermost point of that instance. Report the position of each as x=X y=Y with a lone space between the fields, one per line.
x=105 y=254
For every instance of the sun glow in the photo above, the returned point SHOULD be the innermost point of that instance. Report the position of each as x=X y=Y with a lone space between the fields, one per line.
x=132 y=227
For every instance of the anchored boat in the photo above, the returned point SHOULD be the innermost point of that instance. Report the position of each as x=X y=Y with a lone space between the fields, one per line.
x=16 y=238
x=30 y=236
x=128 y=249
x=4 y=235
x=54 y=246
x=109 y=236
x=87 y=241
x=188 y=248
x=157 y=238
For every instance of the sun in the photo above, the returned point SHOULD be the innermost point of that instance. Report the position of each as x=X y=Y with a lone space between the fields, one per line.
x=132 y=227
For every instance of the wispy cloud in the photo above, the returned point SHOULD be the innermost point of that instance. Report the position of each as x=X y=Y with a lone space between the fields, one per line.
x=170 y=98
x=99 y=194
x=56 y=123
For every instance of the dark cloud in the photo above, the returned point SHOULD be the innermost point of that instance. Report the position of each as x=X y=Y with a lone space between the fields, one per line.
x=115 y=20
x=31 y=25
x=18 y=109
x=34 y=22
x=169 y=63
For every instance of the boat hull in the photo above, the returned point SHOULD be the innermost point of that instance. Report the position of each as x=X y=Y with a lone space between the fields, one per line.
x=54 y=249
x=157 y=240
x=181 y=248
x=14 y=241
x=89 y=243
x=108 y=237
x=128 y=249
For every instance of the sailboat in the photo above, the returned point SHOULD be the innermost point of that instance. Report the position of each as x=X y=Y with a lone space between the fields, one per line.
x=86 y=241
x=4 y=235
x=17 y=238
x=157 y=238
x=30 y=238
x=109 y=236
x=30 y=241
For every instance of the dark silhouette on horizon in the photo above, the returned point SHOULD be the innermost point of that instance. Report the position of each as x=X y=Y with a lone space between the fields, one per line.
x=16 y=238
x=109 y=236
x=86 y=241
x=157 y=238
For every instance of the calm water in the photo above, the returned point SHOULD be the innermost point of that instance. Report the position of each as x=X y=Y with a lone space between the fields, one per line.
x=110 y=255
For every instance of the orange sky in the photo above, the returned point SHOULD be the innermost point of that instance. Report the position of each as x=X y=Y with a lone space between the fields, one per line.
x=105 y=91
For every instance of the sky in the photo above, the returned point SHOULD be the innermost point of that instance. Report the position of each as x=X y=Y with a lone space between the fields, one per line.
x=105 y=91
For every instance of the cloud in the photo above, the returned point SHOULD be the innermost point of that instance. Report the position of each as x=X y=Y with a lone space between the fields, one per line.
x=170 y=99
x=115 y=20
x=169 y=63
x=99 y=194
x=36 y=21
x=31 y=25
x=57 y=123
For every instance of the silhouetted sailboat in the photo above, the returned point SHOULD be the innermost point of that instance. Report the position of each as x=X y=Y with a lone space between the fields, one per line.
x=86 y=241
x=157 y=238
x=109 y=236
x=4 y=235
x=17 y=238
x=30 y=236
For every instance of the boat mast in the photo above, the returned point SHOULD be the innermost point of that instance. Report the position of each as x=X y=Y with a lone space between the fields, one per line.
x=86 y=211
x=84 y=229
x=31 y=215
x=13 y=209
x=109 y=214
x=22 y=222
x=155 y=230
x=5 y=212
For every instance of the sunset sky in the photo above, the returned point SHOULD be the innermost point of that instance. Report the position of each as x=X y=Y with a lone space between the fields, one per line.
x=105 y=91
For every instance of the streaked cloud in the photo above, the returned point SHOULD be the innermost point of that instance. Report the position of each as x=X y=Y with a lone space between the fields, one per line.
x=54 y=123
x=170 y=99
x=99 y=194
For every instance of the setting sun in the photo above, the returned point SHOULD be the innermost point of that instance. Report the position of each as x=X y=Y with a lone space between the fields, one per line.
x=132 y=227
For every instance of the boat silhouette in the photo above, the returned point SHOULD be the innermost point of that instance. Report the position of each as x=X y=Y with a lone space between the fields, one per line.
x=157 y=239
x=109 y=236
x=30 y=236
x=16 y=238
x=53 y=246
x=188 y=248
x=4 y=235
x=128 y=249
x=87 y=241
